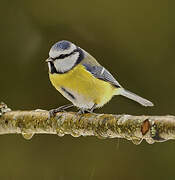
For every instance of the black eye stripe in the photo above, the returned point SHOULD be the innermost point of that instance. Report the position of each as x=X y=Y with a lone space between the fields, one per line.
x=62 y=56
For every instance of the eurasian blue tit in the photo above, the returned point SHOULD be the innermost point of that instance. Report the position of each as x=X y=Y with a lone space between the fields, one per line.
x=82 y=80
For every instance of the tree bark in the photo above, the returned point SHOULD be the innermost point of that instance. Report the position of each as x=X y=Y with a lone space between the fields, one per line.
x=134 y=128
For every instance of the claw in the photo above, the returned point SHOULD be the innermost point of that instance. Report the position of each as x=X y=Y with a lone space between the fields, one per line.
x=53 y=112
x=84 y=111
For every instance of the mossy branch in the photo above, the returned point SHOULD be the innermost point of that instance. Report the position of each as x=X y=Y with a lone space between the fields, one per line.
x=134 y=128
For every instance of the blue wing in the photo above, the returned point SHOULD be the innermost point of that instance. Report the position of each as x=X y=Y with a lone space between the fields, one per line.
x=101 y=73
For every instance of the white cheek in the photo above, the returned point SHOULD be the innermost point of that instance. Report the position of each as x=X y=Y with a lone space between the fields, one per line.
x=67 y=63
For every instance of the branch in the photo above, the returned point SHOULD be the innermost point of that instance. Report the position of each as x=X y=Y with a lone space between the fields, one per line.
x=134 y=128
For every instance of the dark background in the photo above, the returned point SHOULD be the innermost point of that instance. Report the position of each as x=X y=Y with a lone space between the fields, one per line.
x=134 y=40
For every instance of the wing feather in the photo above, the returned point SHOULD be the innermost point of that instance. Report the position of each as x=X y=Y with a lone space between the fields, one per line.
x=101 y=73
x=98 y=71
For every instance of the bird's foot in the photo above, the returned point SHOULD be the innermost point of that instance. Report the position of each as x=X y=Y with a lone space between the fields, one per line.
x=53 y=112
x=84 y=111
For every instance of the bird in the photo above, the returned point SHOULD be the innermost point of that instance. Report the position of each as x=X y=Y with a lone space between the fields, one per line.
x=80 y=78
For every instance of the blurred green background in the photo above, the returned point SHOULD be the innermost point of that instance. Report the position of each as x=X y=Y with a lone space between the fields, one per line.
x=135 y=40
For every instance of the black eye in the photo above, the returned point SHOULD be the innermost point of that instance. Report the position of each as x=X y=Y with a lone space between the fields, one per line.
x=62 y=56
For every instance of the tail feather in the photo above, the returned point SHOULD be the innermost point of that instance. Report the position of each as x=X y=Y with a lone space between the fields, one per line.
x=135 y=97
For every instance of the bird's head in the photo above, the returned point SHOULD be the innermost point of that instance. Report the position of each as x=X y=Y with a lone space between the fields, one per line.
x=64 y=56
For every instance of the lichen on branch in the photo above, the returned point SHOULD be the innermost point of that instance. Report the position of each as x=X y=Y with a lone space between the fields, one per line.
x=134 y=128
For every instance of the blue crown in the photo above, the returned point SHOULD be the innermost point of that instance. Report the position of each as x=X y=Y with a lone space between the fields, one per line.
x=62 y=45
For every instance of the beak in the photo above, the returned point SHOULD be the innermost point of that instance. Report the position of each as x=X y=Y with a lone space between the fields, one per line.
x=49 y=59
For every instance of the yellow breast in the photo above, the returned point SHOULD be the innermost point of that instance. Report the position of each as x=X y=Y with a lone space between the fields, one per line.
x=82 y=82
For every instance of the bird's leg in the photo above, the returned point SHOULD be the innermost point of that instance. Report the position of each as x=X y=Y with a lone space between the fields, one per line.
x=93 y=108
x=52 y=112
